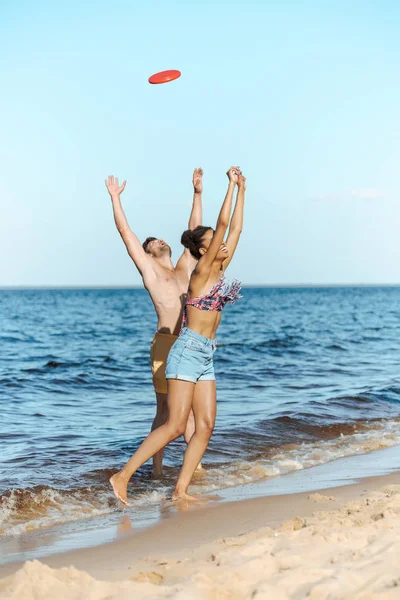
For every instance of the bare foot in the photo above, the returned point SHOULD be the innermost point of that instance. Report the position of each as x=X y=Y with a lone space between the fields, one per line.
x=199 y=468
x=120 y=487
x=184 y=496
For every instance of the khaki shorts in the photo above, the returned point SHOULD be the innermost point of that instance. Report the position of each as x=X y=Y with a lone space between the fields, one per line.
x=159 y=350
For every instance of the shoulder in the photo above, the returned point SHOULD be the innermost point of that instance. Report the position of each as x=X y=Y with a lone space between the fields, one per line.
x=150 y=273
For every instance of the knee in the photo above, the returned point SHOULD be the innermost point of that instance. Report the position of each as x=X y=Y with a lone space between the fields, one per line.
x=176 y=430
x=205 y=427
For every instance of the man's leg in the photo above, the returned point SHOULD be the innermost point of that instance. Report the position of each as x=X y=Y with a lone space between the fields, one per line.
x=160 y=418
x=160 y=347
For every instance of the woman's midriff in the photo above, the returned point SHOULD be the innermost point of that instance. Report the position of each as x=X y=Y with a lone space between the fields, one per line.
x=204 y=322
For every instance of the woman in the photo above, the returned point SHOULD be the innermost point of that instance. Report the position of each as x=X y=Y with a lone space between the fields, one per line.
x=190 y=371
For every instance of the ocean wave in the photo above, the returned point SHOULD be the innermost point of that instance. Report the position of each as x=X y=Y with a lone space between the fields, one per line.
x=295 y=456
x=27 y=510
x=32 y=509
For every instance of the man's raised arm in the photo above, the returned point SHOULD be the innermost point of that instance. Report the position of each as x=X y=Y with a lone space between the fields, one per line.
x=196 y=216
x=186 y=261
x=132 y=243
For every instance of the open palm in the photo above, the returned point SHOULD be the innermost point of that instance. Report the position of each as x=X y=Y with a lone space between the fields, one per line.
x=112 y=184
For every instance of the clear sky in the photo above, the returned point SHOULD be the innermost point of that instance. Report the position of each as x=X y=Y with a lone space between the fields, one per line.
x=303 y=95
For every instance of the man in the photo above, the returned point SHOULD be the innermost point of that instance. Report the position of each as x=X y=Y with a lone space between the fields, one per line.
x=167 y=286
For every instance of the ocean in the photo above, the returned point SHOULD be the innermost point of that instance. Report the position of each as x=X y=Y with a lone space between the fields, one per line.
x=305 y=376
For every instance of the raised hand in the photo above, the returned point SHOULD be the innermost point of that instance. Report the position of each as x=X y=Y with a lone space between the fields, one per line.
x=198 y=181
x=233 y=174
x=242 y=182
x=114 y=189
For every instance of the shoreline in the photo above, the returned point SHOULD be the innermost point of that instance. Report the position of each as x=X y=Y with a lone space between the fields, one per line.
x=242 y=509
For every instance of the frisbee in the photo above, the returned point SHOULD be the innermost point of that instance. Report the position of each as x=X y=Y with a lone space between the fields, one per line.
x=164 y=76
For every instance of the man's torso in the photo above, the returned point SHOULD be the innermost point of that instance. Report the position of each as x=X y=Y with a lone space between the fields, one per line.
x=168 y=290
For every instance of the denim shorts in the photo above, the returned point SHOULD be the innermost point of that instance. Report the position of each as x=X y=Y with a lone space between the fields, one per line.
x=191 y=358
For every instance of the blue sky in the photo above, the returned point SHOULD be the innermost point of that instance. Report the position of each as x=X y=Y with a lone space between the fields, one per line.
x=304 y=96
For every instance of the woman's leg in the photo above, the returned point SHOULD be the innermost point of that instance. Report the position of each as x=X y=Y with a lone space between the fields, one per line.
x=161 y=418
x=204 y=408
x=180 y=396
x=190 y=429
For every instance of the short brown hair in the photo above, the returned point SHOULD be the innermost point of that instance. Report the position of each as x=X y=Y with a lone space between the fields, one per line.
x=147 y=242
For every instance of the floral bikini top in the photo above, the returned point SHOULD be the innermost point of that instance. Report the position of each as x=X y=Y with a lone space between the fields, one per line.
x=221 y=293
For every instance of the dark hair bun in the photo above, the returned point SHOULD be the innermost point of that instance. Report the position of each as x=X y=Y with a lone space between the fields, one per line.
x=192 y=239
x=187 y=238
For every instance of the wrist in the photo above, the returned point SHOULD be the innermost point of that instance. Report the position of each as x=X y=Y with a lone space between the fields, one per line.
x=114 y=197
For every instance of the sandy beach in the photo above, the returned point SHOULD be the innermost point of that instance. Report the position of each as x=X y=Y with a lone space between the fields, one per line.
x=337 y=543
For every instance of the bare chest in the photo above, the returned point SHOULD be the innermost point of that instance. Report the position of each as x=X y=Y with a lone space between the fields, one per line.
x=168 y=290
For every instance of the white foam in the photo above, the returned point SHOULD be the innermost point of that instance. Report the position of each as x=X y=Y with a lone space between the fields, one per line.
x=383 y=434
x=28 y=510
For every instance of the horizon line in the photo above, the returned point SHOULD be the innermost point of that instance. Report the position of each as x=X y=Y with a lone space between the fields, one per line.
x=246 y=285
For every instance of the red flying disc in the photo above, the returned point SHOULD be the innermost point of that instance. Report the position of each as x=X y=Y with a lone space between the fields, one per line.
x=164 y=76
